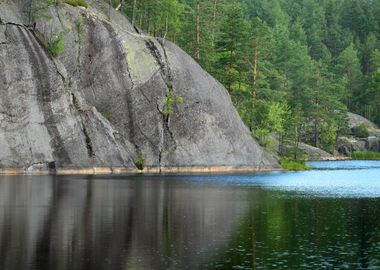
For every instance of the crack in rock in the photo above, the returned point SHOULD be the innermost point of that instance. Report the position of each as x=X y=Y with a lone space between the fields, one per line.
x=89 y=146
x=167 y=76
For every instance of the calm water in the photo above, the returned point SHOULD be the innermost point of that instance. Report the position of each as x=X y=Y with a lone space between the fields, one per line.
x=328 y=218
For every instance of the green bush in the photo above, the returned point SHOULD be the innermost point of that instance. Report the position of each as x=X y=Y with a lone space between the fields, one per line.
x=140 y=161
x=75 y=3
x=294 y=165
x=80 y=28
x=265 y=139
x=360 y=131
x=170 y=101
x=367 y=155
x=107 y=115
x=56 y=46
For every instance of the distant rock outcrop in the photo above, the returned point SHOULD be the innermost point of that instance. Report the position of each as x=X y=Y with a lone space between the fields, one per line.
x=314 y=153
x=355 y=120
x=105 y=101
x=369 y=142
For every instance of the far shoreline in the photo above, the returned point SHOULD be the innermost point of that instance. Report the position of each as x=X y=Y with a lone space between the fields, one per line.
x=158 y=170
x=334 y=158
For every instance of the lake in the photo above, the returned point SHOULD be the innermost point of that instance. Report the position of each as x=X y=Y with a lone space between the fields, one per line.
x=327 y=218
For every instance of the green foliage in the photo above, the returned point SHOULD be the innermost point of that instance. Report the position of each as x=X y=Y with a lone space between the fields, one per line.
x=328 y=137
x=294 y=165
x=75 y=3
x=348 y=65
x=360 y=131
x=56 y=45
x=230 y=45
x=366 y=155
x=157 y=17
x=170 y=101
x=140 y=161
x=270 y=118
x=38 y=9
x=106 y=114
x=80 y=28
x=293 y=68
x=265 y=139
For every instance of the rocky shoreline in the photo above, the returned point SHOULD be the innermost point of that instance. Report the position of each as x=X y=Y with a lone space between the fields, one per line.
x=128 y=171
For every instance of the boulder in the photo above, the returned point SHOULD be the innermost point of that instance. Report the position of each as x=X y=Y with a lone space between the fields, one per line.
x=307 y=151
x=314 y=153
x=347 y=145
x=104 y=102
x=374 y=132
x=373 y=144
x=356 y=120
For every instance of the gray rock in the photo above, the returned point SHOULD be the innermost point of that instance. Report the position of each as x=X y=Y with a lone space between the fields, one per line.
x=373 y=144
x=100 y=103
x=356 y=120
x=347 y=145
x=309 y=152
x=3 y=38
x=374 y=132
x=314 y=153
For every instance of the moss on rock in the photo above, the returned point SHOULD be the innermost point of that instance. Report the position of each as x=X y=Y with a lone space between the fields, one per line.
x=76 y=3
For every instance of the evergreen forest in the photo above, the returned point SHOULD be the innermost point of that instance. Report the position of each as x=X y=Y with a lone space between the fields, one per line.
x=293 y=68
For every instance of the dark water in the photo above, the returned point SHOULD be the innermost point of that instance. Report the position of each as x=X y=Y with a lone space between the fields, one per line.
x=323 y=219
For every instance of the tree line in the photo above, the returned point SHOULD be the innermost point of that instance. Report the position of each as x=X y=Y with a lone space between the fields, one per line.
x=293 y=68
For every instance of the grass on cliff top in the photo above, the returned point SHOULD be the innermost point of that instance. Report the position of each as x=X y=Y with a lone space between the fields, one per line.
x=75 y=3
x=366 y=155
x=294 y=165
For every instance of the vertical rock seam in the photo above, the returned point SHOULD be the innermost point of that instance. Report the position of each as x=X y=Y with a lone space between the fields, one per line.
x=38 y=56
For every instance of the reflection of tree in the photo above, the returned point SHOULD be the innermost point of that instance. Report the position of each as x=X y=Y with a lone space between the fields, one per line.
x=364 y=229
x=280 y=229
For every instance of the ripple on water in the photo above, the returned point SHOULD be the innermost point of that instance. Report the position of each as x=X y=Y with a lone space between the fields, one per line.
x=351 y=179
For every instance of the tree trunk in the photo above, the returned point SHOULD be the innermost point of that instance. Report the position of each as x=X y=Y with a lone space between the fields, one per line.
x=109 y=9
x=197 y=50
x=255 y=60
x=120 y=6
x=30 y=11
x=214 y=22
x=316 y=134
x=141 y=13
x=134 y=12
x=229 y=73
x=297 y=141
x=166 y=27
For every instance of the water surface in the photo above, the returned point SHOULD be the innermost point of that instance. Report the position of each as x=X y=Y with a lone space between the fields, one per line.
x=326 y=218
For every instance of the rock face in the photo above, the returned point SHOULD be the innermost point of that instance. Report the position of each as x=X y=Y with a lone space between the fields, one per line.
x=347 y=145
x=314 y=153
x=356 y=120
x=101 y=103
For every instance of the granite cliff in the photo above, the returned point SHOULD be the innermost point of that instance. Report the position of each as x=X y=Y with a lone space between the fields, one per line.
x=105 y=100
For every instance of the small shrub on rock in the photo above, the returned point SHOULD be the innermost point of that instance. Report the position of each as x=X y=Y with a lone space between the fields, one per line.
x=360 y=131
x=76 y=3
x=56 y=46
x=140 y=161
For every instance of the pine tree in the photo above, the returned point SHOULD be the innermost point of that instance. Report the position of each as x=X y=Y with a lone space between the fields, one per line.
x=231 y=43
x=348 y=65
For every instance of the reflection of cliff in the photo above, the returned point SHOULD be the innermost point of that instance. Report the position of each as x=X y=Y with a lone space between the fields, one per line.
x=52 y=223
